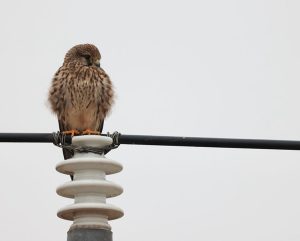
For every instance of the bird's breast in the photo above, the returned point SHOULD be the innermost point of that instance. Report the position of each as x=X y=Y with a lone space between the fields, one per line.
x=84 y=93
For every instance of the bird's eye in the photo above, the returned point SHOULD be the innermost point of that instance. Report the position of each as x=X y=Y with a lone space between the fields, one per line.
x=88 y=59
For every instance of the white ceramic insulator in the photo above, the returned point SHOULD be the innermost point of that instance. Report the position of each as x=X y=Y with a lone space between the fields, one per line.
x=89 y=187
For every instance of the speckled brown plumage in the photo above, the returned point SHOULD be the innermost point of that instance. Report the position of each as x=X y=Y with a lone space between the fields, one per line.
x=81 y=94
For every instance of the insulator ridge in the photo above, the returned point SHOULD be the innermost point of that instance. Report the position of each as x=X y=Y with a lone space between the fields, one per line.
x=89 y=188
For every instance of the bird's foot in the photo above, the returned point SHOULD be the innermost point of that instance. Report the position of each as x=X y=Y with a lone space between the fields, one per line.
x=90 y=132
x=71 y=132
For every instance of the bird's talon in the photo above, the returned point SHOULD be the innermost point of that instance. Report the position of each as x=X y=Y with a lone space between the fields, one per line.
x=90 y=132
x=71 y=132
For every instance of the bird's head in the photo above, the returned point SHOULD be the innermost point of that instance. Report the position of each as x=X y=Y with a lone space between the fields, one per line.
x=87 y=54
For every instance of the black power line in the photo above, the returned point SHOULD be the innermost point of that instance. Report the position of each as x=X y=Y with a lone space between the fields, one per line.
x=167 y=141
x=210 y=142
x=27 y=137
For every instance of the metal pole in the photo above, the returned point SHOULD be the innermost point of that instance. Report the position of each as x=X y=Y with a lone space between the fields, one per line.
x=85 y=234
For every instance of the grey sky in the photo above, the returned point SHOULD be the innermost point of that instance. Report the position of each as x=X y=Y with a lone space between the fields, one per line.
x=195 y=68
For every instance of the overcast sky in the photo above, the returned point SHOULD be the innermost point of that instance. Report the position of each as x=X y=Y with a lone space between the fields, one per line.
x=194 y=68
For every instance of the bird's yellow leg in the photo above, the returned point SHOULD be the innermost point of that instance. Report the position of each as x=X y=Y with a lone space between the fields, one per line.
x=71 y=132
x=90 y=132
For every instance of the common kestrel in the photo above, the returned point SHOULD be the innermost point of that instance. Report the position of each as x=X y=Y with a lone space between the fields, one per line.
x=81 y=94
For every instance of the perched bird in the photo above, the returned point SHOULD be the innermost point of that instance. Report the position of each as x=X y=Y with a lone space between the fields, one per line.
x=81 y=94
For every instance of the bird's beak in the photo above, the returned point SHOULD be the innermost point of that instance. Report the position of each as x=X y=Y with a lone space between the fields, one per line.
x=97 y=63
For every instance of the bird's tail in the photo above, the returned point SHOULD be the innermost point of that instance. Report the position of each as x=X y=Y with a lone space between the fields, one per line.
x=67 y=155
